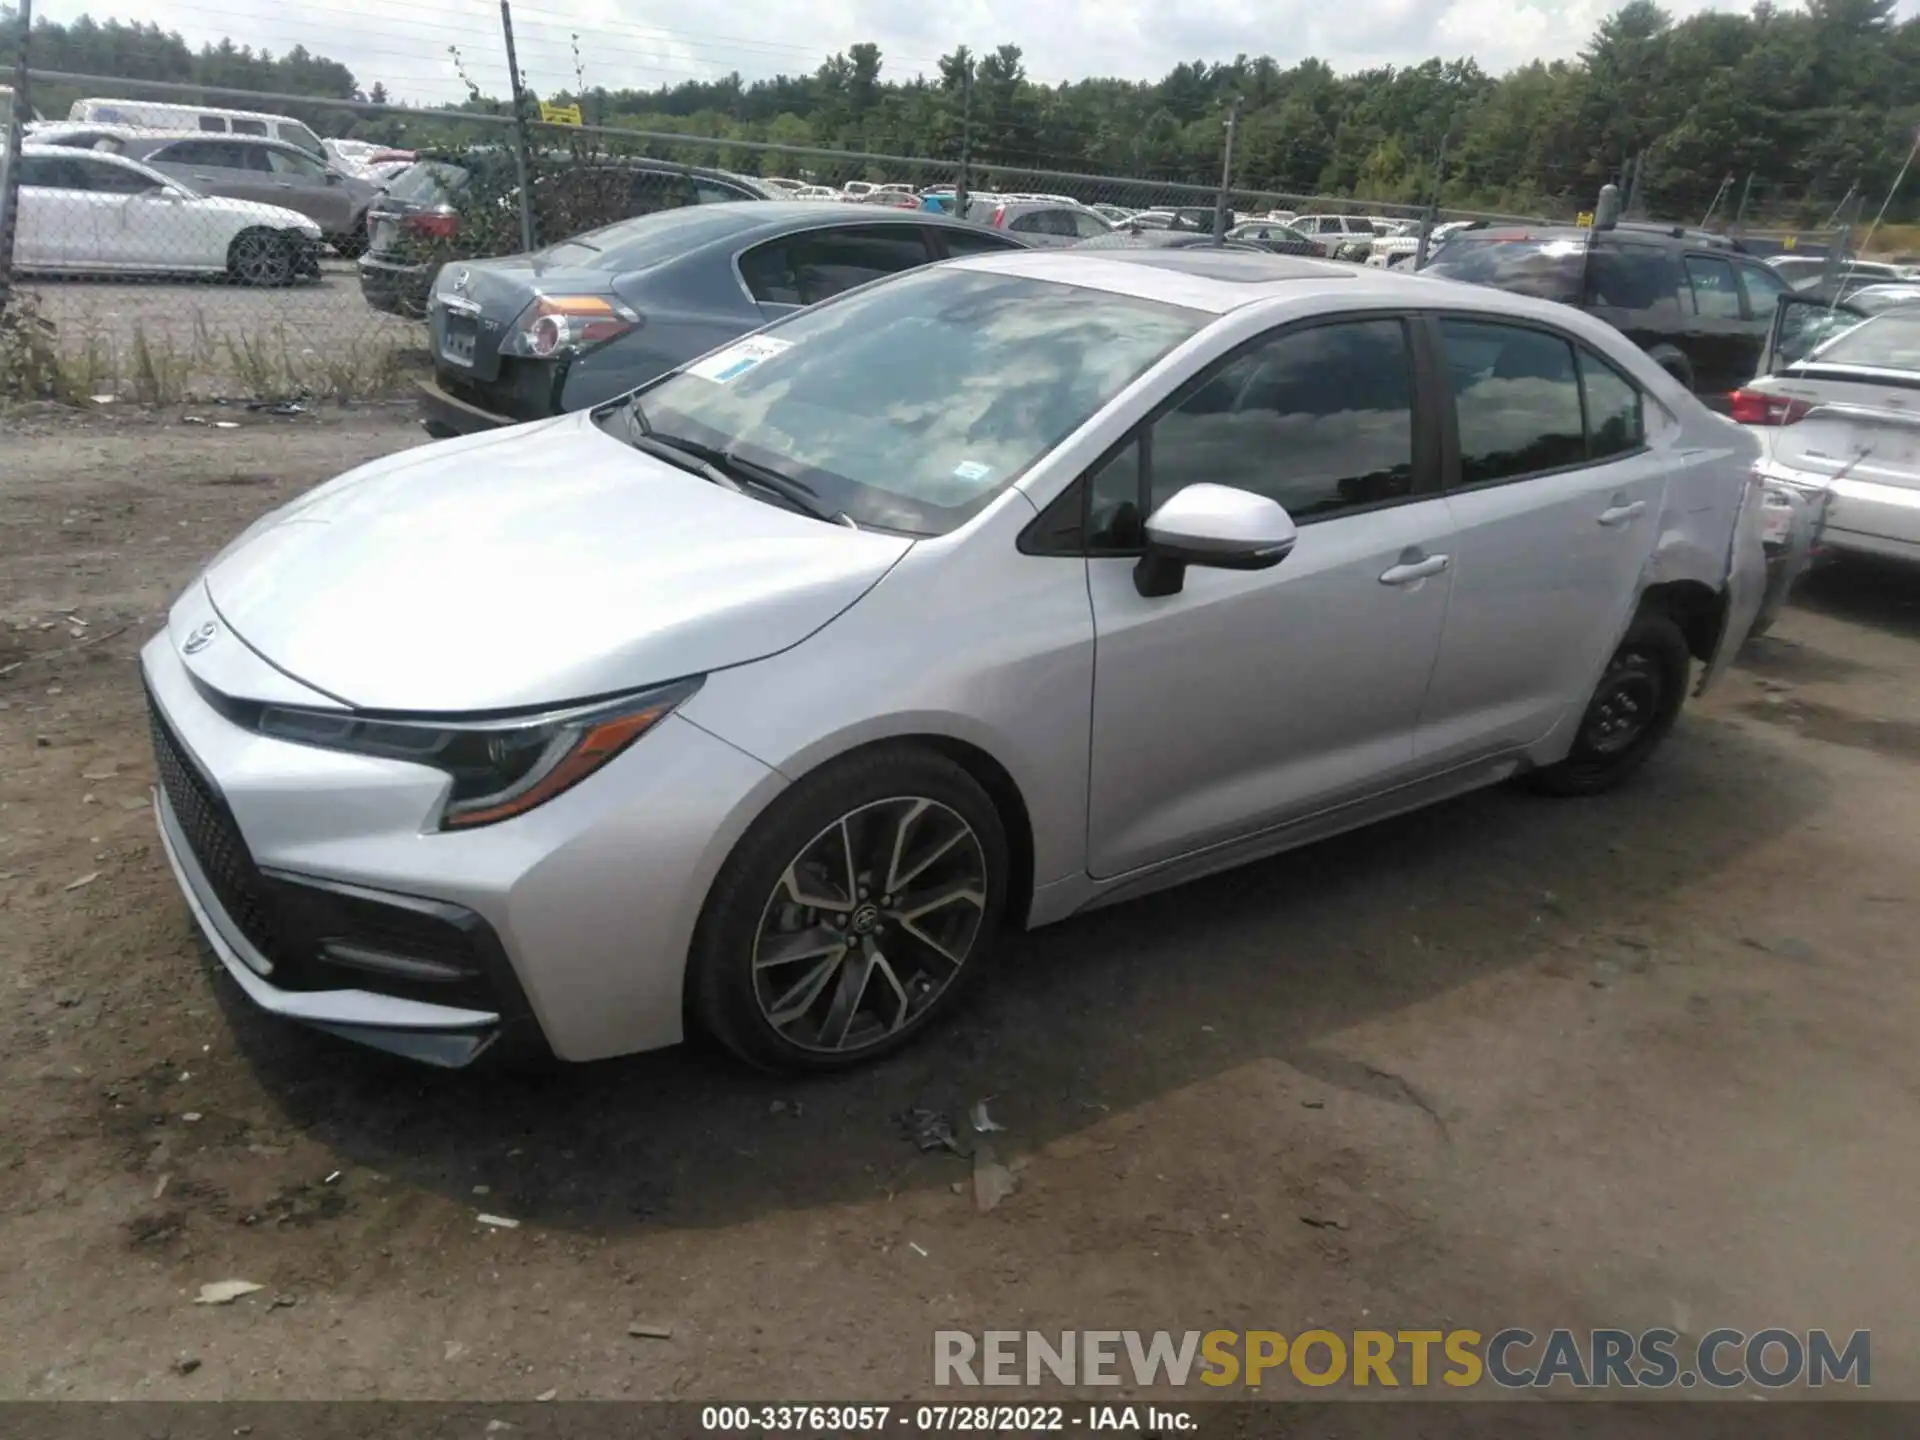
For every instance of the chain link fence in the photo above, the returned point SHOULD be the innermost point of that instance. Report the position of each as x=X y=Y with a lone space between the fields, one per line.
x=177 y=243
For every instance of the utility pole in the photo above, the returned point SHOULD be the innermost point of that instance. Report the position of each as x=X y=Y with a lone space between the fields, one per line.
x=520 y=165
x=1220 y=206
x=1432 y=212
x=10 y=156
x=966 y=137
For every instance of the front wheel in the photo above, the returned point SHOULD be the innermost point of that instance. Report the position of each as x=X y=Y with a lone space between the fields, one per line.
x=857 y=909
x=261 y=258
x=1631 y=711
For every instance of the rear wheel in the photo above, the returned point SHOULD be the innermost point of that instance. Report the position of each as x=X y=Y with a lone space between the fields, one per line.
x=261 y=258
x=1632 y=709
x=856 y=910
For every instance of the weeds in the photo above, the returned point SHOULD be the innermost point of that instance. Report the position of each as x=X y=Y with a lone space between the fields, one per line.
x=30 y=363
x=199 y=360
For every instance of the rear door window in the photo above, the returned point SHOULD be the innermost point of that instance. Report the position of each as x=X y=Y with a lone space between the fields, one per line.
x=249 y=127
x=655 y=190
x=1626 y=276
x=1716 y=295
x=815 y=265
x=1517 y=399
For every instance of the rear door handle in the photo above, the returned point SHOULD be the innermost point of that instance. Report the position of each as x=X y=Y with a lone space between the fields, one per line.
x=1621 y=514
x=1408 y=571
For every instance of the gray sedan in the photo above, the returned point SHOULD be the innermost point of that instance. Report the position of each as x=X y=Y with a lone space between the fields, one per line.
x=565 y=328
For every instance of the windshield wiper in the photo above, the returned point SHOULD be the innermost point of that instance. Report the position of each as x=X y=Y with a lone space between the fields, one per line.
x=726 y=469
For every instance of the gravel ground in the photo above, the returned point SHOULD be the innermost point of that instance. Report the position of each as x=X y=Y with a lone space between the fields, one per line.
x=1645 y=1060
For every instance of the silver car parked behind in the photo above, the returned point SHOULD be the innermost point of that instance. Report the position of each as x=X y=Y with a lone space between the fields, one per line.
x=990 y=593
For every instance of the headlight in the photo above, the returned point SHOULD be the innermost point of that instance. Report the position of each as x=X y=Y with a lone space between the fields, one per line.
x=499 y=768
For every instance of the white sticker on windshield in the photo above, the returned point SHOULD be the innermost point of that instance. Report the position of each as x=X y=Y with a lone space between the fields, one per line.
x=971 y=470
x=736 y=360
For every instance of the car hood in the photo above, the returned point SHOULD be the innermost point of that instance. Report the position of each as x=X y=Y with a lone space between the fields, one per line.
x=529 y=567
x=253 y=212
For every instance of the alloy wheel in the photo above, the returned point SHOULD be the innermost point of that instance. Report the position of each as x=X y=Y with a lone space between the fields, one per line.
x=260 y=259
x=869 y=924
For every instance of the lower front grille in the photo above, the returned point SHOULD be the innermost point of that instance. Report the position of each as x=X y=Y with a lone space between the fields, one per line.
x=214 y=838
x=322 y=935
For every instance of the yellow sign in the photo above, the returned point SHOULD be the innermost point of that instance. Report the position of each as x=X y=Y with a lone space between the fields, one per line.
x=1789 y=242
x=1584 y=219
x=560 y=114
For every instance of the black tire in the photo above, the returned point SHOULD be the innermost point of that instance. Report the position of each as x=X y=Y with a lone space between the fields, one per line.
x=1632 y=709
x=262 y=259
x=733 y=991
x=349 y=247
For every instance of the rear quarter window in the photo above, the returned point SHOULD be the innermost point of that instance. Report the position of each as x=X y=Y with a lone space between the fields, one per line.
x=1547 y=269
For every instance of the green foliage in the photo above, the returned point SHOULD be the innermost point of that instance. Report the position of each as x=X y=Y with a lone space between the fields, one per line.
x=1809 y=103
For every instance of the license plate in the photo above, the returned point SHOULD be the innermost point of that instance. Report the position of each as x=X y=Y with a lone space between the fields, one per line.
x=456 y=340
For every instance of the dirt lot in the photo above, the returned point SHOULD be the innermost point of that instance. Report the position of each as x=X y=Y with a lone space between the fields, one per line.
x=1637 y=1061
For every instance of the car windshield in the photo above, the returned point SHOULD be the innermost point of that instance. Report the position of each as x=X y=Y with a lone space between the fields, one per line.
x=429 y=181
x=908 y=405
x=1889 y=341
x=1547 y=269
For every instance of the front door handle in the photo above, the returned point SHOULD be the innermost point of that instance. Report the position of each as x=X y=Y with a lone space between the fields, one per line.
x=1408 y=571
x=1621 y=514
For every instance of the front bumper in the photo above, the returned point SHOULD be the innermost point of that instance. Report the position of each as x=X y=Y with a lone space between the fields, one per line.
x=311 y=872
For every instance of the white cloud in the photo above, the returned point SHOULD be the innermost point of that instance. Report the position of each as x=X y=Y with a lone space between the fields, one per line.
x=403 y=44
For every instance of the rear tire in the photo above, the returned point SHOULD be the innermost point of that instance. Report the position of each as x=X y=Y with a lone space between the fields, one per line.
x=261 y=259
x=852 y=914
x=1632 y=709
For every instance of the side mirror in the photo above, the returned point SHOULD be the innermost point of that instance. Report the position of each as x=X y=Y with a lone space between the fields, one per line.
x=1215 y=526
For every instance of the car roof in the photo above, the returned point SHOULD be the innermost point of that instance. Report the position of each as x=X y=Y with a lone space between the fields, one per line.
x=1217 y=281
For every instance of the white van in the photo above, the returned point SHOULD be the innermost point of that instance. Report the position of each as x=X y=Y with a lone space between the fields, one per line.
x=152 y=115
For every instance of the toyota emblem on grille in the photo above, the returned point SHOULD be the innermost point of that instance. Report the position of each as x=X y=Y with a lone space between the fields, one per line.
x=200 y=638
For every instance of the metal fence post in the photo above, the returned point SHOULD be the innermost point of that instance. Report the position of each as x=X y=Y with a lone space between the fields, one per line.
x=1432 y=212
x=1221 y=205
x=22 y=110
x=1740 y=213
x=520 y=165
x=966 y=140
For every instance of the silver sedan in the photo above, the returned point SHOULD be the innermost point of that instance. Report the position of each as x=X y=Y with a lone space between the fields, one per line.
x=762 y=699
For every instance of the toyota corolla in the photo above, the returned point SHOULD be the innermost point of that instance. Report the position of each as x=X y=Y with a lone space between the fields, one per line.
x=763 y=698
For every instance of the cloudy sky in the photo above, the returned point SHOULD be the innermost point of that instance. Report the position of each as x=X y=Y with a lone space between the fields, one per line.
x=403 y=44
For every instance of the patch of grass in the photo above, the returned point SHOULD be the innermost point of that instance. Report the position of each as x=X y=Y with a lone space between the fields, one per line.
x=31 y=365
